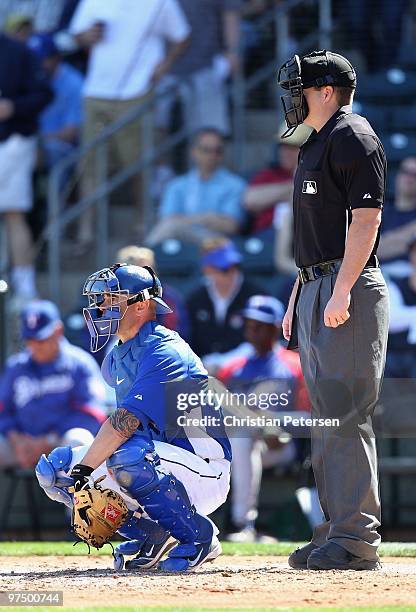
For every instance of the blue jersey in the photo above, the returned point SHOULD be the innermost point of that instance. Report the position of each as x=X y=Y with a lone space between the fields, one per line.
x=39 y=399
x=148 y=373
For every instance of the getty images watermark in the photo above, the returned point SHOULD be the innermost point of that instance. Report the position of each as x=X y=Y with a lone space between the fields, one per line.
x=205 y=408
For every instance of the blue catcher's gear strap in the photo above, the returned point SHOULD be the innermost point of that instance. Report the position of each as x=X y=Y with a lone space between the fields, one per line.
x=136 y=528
x=146 y=294
x=163 y=497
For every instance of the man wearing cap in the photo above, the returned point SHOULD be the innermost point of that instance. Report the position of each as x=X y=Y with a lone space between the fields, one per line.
x=215 y=307
x=338 y=309
x=51 y=393
x=268 y=361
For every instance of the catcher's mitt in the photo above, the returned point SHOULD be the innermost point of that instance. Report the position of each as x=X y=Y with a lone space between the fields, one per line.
x=97 y=513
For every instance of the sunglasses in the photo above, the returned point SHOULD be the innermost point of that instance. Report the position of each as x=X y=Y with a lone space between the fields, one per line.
x=214 y=150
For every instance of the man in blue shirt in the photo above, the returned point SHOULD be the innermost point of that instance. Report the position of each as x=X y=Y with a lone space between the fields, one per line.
x=61 y=121
x=177 y=469
x=205 y=202
x=50 y=394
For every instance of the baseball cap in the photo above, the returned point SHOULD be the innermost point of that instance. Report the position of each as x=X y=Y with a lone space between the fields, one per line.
x=327 y=68
x=222 y=257
x=265 y=309
x=39 y=320
x=43 y=46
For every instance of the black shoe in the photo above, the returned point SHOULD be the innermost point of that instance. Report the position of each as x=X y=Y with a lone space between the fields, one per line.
x=299 y=557
x=332 y=556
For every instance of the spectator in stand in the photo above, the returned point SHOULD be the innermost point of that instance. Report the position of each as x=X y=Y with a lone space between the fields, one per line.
x=60 y=122
x=21 y=18
x=401 y=351
x=24 y=93
x=399 y=217
x=50 y=394
x=178 y=319
x=272 y=187
x=280 y=369
x=205 y=202
x=127 y=41
x=19 y=27
x=45 y=14
x=211 y=58
x=215 y=307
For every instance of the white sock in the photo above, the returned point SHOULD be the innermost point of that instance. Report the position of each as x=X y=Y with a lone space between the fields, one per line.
x=23 y=282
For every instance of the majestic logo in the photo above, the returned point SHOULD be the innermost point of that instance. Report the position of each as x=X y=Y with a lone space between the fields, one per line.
x=139 y=396
x=309 y=187
x=367 y=196
x=111 y=513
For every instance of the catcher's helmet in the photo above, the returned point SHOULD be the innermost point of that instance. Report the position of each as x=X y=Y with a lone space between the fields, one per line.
x=108 y=288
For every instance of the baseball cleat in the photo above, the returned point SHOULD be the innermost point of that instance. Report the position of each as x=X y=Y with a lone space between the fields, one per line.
x=333 y=556
x=299 y=557
x=187 y=557
x=148 y=554
x=242 y=536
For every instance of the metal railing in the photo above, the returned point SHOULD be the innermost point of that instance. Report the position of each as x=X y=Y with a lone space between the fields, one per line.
x=59 y=217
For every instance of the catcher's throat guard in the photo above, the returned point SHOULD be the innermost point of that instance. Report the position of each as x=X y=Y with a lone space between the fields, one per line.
x=97 y=513
x=110 y=291
x=294 y=103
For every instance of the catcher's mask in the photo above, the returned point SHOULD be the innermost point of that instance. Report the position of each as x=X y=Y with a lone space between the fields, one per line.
x=110 y=288
x=316 y=69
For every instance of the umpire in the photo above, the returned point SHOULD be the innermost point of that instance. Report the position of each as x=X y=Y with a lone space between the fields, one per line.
x=338 y=310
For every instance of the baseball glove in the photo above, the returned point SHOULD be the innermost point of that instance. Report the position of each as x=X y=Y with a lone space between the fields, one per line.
x=97 y=513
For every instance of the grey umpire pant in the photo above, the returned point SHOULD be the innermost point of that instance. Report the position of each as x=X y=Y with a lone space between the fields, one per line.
x=343 y=369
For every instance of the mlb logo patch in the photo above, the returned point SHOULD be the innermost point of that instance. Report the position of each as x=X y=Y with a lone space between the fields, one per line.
x=309 y=187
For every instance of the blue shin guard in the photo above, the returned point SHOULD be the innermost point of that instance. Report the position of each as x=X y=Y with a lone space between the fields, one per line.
x=164 y=498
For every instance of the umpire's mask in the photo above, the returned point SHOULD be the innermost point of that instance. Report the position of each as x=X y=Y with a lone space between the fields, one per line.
x=294 y=103
x=316 y=69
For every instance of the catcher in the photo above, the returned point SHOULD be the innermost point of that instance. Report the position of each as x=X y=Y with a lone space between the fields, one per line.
x=146 y=539
x=176 y=474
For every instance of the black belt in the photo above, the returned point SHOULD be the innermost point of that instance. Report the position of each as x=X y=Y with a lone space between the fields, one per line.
x=328 y=267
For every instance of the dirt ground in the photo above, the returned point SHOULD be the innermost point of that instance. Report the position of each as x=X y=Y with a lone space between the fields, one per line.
x=245 y=582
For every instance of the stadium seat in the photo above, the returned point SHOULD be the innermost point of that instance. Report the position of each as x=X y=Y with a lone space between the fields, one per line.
x=403 y=118
x=257 y=252
x=398 y=145
x=396 y=86
x=176 y=258
x=376 y=115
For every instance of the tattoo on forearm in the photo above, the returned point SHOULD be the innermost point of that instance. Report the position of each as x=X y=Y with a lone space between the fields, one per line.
x=124 y=422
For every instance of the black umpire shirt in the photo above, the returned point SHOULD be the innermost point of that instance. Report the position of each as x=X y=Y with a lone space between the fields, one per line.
x=341 y=167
